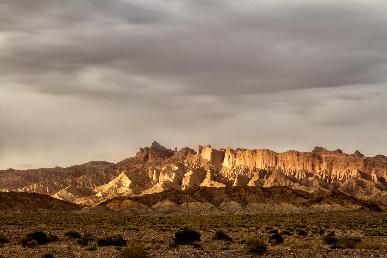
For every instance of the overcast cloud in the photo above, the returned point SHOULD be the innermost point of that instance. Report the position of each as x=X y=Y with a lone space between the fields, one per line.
x=88 y=80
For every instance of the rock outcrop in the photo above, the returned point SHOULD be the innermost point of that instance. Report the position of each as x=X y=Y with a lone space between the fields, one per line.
x=157 y=169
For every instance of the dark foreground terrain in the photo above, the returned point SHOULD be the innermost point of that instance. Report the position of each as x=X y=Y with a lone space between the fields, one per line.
x=77 y=234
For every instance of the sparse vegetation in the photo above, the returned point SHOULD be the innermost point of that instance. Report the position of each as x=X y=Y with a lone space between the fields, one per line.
x=331 y=240
x=303 y=244
x=348 y=242
x=158 y=233
x=375 y=232
x=255 y=245
x=86 y=239
x=52 y=238
x=343 y=242
x=3 y=239
x=91 y=246
x=221 y=235
x=116 y=240
x=30 y=243
x=136 y=250
x=39 y=237
x=286 y=232
x=186 y=236
x=372 y=245
x=276 y=238
x=302 y=232
x=73 y=234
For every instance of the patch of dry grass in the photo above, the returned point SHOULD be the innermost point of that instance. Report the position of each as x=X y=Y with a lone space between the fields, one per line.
x=297 y=243
x=372 y=245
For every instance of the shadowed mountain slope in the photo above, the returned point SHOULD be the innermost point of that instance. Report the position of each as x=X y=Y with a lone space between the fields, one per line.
x=236 y=199
x=11 y=201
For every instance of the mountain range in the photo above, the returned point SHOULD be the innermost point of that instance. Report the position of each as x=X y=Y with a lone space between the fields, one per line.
x=156 y=170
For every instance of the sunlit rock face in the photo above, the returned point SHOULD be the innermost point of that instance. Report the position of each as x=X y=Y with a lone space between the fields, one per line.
x=213 y=156
x=193 y=178
x=329 y=166
x=156 y=169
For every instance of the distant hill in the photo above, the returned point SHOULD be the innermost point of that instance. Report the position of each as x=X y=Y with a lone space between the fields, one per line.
x=157 y=169
x=12 y=201
x=236 y=200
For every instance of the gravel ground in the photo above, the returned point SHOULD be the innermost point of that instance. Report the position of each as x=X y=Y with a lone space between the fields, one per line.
x=157 y=234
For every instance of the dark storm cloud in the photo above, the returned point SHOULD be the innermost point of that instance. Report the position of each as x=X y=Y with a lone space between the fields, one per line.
x=191 y=66
x=218 y=48
x=43 y=14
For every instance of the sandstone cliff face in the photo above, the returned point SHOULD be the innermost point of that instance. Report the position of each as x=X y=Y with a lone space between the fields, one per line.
x=156 y=169
x=326 y=165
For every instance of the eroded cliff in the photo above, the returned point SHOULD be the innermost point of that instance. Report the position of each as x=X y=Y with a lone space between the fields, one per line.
x=156 y=169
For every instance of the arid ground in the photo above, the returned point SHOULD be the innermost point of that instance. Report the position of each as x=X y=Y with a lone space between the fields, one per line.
x=324 y=234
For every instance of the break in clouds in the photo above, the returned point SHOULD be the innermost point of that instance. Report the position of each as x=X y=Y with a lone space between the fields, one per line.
x=95 y=79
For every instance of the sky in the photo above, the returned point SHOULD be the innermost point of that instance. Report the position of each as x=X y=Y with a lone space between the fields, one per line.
x=97 y=80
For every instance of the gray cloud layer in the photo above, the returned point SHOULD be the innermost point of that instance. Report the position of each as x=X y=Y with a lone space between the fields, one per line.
x=83 y=80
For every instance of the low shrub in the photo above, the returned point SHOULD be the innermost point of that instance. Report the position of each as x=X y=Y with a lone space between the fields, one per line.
x=302 y=232
x=186 y=236
x=136 y=250
x=3 y=239
x=197 y=245
x=39 y=237
x=347 y=242
x=47 y=255
x=276 y=239
x=343 y=242
x=331 y=240
x=221 y=235
x=116 y=240
x=91 y=246
x=30 y=243
x=273 y=231
x=85 y=239
x=374 y=232
x=73 y=234
x=52 y=238
x=286 y=232
x=255 y=245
